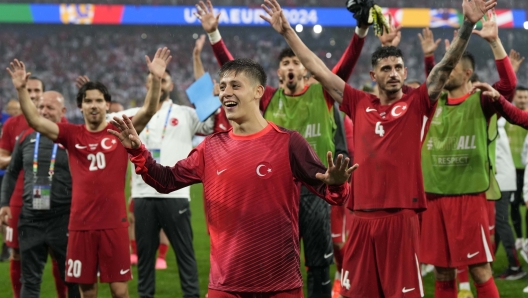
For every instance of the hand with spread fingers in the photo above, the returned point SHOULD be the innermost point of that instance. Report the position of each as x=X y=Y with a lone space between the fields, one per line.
x=127 y=134
x=336 y=174
x=158 y=65
x=490 y=30
x=516 y=60
x=207 y=17
x=474 y=10
x=198 y=45
x=393 y=37
x=18 y=74
x=429 y=45
x=81 y=80
x=275 y=16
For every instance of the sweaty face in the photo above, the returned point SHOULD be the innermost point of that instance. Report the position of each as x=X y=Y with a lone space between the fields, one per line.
x=521 y=99
x=50 y=108
x=166 y=86
x=94 y=107
x=291 y=72
x=35 y=89
x=390 y=74
x=457 y=78
x=237 y=95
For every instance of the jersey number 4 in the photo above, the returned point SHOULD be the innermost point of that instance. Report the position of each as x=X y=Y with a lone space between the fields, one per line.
x=379 y=129
x=97 y=161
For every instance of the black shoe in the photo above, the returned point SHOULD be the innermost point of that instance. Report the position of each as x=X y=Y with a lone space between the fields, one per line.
x=512 y=274
x=4 y=256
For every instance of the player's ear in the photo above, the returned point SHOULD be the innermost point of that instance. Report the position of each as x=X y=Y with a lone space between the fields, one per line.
x=404 y=74
x=107 y=106
x=373 y=76
x=259 y=92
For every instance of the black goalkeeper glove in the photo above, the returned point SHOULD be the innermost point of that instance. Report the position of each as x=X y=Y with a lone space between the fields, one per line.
x=367 y=13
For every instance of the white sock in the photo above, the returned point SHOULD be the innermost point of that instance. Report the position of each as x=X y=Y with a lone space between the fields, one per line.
x=464 y=286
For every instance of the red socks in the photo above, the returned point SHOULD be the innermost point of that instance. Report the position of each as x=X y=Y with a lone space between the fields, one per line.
x=15 y=272
x=162 y=251
x=62 y=290
x=446 y=289
x=487 y=289
x=134 y=247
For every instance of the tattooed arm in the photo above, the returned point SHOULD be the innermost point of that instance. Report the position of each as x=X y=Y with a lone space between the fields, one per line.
x=474 y=10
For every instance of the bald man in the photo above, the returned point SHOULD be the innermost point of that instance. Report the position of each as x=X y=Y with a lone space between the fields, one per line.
x=115 y=107
x=44 y=219
x=13 y=108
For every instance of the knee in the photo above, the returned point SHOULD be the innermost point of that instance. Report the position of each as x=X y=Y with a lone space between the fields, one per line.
x=119 y=290
x=15 y=254
x=445 y=274
x=480 y=273
x=338 y=245
x=88 y=290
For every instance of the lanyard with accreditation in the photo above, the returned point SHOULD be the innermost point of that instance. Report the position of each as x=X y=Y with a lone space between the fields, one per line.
x=42 y=185
x=156 y=153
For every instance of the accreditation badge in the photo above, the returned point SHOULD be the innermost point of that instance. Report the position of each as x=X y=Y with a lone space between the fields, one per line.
x=156 y=154
x=41 y=194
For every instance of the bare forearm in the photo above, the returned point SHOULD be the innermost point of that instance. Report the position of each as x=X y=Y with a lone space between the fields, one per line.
x=198 y=68
x=28 y=108
x=141 y=119
x=498 y=49
x=440 y=73
x=4 y=162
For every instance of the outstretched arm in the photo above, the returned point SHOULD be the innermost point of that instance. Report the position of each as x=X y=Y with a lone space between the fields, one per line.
x=501 y=106
x=210 y=24
x=474 y=10
x=19 y=76
x=333 y=84
x=157 y=71
x=198 y=68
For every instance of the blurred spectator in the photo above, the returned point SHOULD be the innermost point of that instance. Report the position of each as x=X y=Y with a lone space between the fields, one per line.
x=13 y=108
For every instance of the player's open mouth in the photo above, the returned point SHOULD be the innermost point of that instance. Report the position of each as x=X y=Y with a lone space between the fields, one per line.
x=291 y=76
x=230 y=104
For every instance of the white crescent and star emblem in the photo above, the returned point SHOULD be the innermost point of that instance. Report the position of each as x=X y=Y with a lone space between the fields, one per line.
x=103 y=143
x=264 y=170
x=399 y=109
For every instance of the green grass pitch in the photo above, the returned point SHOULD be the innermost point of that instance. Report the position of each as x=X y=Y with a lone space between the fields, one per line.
x=168 y=284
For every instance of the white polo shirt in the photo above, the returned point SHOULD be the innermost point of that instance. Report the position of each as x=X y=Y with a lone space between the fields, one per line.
x=181 y=123
x=506 y=174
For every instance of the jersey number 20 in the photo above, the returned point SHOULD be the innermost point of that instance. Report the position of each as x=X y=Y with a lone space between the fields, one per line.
x=97 y=161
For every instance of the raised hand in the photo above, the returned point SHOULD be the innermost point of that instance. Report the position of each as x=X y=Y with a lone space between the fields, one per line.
x=516 y=60
x=487 y=90
x=490 y=30
x=429 y=45
x=336 y=174
x=448 y=42
x=474 y=10
x=81 y=80
x=207 y=17
x=392 y=38
x=275 y=16
x=198 y=46
x=159 y=64
x=18 y=74
x=127 y=134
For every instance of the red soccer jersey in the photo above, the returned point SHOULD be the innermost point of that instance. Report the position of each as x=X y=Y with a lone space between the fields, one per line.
x=11 y=130
x=388 y=142
x=251 y=191
x=98 y=164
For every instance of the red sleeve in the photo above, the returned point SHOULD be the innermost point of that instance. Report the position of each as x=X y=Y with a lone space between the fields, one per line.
x=266 y=98
x=167 y=179
x=349 y=132
x=305 y=165
x=221 y=122
x=351 y=97
x=507 y=78
x=8 y=139
x=221 y=52
x=427 y=106
x=429 y=65
x=510 y=112
x=66 y=130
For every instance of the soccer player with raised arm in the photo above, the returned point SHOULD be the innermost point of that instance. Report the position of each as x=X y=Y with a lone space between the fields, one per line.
x=98 y=235
x=251 y=175
x=381 y=256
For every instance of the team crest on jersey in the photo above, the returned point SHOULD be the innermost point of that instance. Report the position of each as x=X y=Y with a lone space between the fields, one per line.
x=399 y=109
x=264 y=170
x=108 y=143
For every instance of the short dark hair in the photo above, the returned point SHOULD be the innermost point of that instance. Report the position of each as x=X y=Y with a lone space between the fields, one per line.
x=521 y=88
x=247 y=66
x=474 y=78
x=41 y=81
x=469 y=58
x=81 y=94
x=286 y=53
x=385 y=52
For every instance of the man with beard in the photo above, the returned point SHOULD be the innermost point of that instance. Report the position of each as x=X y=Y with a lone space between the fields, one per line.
x=168 y=136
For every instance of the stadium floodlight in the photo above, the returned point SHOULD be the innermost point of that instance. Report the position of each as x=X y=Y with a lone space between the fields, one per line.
x=328 y=55
x=299 y=28
x=318 y=29
x=526 y=25
x=195 y=35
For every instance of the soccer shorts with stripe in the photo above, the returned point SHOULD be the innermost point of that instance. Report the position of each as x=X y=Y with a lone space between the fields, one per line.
x=456 y=231
x=381 y=255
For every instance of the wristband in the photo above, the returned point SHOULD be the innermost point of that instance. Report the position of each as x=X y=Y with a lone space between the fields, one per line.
x=214 y=36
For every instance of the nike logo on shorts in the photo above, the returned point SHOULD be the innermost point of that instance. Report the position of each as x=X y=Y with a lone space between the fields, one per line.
x=328 y=255
x=123 y=272
x=404 y=290
x=326 y=282
x=472 y=255
x=183 y=211
x=491 y=227
x=335 y=235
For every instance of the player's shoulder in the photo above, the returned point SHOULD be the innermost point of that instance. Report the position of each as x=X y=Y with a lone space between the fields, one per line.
x=359 y=95
x=25 y=135
x=14 y=120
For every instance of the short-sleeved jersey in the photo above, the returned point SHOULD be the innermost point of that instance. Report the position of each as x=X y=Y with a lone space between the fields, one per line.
x=388 y=141
x=98 y=164
x=251 y=191
x=11 y=130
